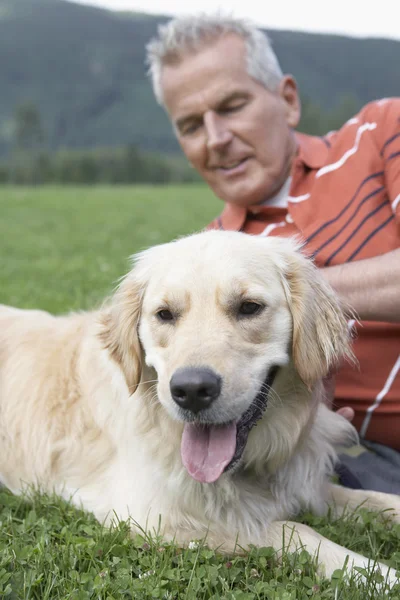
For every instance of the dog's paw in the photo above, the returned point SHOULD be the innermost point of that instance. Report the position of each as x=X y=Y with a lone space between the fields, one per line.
x=392 y=508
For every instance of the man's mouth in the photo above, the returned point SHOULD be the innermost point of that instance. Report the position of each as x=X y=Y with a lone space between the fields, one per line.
x=230 y=167
x=209 y=450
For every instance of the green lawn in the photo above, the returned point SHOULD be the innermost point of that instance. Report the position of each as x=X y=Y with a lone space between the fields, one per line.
x=63 y=249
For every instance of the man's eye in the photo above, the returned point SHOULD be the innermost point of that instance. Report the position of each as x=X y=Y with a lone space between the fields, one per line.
x=232 y=108
x=165 y=315
x=189 y=129
x=248 y=309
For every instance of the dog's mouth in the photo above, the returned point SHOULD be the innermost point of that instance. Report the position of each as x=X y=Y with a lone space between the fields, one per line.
x=210 y=450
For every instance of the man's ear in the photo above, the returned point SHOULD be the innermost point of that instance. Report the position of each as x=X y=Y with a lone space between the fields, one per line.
x=289 y=93
x=119 y=331
x=321 y=337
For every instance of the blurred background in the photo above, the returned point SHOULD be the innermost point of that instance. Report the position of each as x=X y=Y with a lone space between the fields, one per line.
x=76 y=105
x=90 y=171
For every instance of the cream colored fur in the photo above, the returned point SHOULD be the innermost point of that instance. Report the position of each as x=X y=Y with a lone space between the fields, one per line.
x=86 y=410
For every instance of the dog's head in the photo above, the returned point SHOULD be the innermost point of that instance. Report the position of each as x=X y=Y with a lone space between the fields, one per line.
x=217 y=315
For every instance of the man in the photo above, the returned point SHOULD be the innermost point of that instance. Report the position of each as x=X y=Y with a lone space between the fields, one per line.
x=235 y=114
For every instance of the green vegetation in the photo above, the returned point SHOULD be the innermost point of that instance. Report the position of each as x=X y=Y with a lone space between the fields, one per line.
x=51 y=551
x=63 y=249
x=83 y=69
x=92 y=166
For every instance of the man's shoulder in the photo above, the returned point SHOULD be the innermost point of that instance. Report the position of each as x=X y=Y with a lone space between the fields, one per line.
x=382 y=115
x=381 y=118
x=385 y=112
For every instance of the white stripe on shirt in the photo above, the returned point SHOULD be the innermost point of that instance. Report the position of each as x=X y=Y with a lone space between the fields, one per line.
x=346 y=155
x=380 y=396
x=395 y=202
x=295 y=199
x=270 y=227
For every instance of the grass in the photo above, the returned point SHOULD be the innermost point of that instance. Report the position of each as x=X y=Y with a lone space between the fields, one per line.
x=50 y=550
x=63 y=249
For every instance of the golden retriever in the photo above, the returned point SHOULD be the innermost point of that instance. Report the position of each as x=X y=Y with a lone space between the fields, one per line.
x=193 y=394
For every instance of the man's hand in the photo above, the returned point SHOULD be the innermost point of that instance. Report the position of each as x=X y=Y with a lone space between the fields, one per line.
x=347 y=412
x=329 y=389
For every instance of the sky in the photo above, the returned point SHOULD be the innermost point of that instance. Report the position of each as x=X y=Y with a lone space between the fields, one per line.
x=345 y=17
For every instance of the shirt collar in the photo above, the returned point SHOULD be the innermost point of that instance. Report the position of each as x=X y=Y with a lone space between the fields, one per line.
x=312 y=150
x=312 y=153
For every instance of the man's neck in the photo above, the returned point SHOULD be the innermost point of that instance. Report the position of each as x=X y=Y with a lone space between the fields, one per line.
x=280 y=198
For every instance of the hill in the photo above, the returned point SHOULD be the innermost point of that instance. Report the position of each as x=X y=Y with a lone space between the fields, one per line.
x=83 y=68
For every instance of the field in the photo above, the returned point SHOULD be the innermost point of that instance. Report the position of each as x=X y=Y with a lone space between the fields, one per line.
x=64 y=249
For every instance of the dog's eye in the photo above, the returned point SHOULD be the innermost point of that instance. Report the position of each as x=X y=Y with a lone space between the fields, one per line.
x=165 y=315
x=249 y=309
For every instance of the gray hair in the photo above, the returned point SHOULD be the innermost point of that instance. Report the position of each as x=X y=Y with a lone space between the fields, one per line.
x=191 y=33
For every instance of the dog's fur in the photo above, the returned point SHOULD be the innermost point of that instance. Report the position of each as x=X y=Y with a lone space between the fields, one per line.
x=86 y=408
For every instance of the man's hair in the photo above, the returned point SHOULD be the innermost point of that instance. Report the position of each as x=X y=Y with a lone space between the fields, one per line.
x=192 y=33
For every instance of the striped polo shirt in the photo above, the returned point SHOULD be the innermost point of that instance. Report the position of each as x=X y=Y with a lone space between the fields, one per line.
x=344 y=202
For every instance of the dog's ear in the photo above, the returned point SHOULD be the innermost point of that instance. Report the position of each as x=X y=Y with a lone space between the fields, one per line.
x=119 y=331
x=321 y=335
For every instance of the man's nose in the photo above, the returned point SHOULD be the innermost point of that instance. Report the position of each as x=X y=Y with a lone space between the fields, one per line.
x=218 y=134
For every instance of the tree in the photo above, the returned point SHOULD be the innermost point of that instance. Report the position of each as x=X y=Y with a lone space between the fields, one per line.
x=28 y=130
x=28 y=143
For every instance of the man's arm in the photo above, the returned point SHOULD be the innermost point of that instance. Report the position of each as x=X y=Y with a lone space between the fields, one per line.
x=370 y=287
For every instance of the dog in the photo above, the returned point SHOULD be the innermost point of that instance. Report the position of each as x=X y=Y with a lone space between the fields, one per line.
x=191 y=401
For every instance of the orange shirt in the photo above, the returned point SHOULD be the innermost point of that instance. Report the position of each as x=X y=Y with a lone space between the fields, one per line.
x=344 y=202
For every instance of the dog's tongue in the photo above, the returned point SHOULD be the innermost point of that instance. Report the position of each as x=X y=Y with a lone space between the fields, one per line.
x=206 y=450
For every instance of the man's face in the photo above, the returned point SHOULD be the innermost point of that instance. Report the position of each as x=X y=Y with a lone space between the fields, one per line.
x=236 y=133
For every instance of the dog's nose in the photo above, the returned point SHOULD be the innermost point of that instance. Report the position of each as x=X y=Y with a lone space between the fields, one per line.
x=195 y=388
